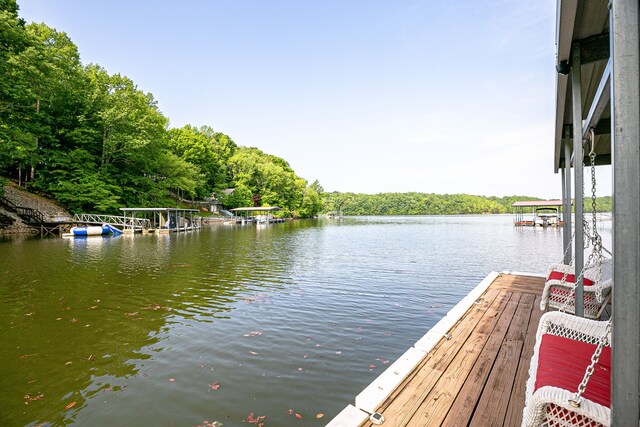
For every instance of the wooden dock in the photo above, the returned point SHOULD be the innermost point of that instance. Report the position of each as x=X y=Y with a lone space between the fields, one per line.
x=474 y=374
x=477 y=377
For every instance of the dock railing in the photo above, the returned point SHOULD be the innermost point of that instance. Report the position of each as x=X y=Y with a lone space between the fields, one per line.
x=131 y=222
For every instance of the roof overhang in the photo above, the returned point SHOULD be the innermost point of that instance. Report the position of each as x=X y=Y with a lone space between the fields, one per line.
x=157 y=210
x=583 y=23
x=536 y=203
x=257 y=209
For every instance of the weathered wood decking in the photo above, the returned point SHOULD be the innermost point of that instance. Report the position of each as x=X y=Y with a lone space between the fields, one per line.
x=478 y=376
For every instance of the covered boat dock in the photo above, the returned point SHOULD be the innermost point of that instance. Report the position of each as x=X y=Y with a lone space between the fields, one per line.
x=538 y=213
x=160 y=220
x=257 y=214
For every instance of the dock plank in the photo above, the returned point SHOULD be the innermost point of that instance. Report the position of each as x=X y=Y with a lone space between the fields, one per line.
x=464 y=406
x=492 y=406
x=478 y=376
x=437 y=404
x=429 y=372
x=516 y=403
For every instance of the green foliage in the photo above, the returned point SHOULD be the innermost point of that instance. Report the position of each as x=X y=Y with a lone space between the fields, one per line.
x=410 y=204
x=96 y=142
x=269 y=178
x=3 y=182
x=240 y=197
x=206 y=150
x=312 y=201
x=603 y=204
x=431 y=204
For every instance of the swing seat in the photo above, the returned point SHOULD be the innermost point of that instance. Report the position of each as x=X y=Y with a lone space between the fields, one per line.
x=563 y=350
x=556 y=291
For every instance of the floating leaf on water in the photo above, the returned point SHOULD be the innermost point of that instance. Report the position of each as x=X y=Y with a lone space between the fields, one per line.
x=28 y=398
x=251 y=419
x=70 y=405
x=91 y=358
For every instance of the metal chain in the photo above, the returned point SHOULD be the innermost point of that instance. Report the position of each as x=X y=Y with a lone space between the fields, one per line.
x=566 y=251
x=597 y=240
x=595 y=258
x=595 y=357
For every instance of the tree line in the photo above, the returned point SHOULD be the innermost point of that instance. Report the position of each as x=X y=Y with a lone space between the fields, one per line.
x=95 y=142
x=431 y=204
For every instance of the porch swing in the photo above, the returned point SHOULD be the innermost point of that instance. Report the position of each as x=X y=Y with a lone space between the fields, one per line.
x=570 y=373
x=560 y=285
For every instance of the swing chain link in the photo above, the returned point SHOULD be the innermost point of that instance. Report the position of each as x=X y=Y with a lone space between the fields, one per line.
x=595 y=257
x=595 y=357
x=596 y=239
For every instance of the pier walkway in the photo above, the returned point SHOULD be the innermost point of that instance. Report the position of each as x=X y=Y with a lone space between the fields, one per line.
x=475 y=372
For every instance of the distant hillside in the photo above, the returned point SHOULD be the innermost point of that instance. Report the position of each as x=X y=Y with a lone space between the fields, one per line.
x=430 y=204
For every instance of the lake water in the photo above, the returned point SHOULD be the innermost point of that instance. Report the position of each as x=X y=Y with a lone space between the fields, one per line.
x=288 y=321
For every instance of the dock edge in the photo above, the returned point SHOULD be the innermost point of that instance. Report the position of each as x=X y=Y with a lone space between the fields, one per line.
x=379 y=390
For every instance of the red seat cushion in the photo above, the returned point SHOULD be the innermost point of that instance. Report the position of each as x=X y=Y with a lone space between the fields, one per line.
x=558 y=275
x=562 y=363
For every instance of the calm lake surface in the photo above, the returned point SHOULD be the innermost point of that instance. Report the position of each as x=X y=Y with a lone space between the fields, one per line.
x=274 y=321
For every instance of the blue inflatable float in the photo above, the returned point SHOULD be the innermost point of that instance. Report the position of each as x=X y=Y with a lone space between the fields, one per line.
x=94 y=230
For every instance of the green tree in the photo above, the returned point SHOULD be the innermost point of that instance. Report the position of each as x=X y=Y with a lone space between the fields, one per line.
x=206 y=149
x=312 y=200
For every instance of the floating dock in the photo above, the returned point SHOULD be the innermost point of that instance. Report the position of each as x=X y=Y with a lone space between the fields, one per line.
x=469 y=369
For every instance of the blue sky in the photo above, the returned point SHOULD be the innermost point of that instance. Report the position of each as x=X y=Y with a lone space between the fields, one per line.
x=365 y=96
